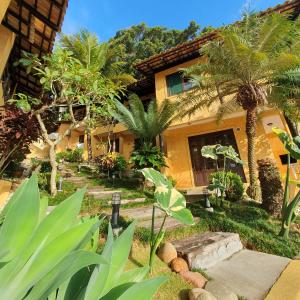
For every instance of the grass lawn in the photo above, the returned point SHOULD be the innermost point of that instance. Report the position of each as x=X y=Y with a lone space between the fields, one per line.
x=257 y=230
x=95 y=206
x=174 y=288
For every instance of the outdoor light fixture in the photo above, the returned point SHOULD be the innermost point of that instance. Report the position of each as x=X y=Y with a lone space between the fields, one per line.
x=60 y=184
x=115 y=202
x=206 y=197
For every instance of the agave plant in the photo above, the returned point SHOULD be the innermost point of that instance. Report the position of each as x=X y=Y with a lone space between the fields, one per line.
x=170 y=201
x=292 y=145
x=53 y=256
x=228 y=153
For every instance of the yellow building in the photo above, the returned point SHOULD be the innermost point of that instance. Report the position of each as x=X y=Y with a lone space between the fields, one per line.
x=184 y=139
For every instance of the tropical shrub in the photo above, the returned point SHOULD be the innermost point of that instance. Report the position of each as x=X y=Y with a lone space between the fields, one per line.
x=54 y=255
x=45 y=167
x=15 y=137
x=170 y=201
x=289 y=206
x=147 y=156
x=234 y=186
x=215 y=152
x=112 y=162
x=271 y=186
x=44 y=180
x=75 y=155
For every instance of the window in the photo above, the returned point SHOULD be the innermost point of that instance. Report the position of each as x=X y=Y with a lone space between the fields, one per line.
x=81 y=139
x=177 y=84
x=284 y=159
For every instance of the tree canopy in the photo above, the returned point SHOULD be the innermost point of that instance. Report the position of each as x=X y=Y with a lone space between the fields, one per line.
x=141 y=41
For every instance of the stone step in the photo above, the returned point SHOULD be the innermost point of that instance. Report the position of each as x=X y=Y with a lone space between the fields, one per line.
x=204 y=250
x=128 y=201
x=101 y=194
x=141 y=213
x=170 y=224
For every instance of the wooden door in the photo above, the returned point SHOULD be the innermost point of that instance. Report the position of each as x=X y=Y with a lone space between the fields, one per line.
x=203 y=167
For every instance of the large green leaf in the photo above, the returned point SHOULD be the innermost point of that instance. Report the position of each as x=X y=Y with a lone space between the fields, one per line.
x=44 y=260
x=106 y=277
x=210 y=151
x=171 y=201
x=20 y=221
x=144 y=290
x=290 y=144
x=61 y=272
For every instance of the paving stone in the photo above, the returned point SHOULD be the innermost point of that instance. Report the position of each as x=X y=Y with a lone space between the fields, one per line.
x=249 y=274
x=141 y=213
x=206 y=249
x=100 y=194
x=170 y=223
x=127 y=201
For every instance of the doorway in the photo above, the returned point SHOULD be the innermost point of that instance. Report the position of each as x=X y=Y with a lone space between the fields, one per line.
x=203 y=167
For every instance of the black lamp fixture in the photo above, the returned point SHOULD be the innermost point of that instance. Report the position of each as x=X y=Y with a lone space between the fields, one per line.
x=115 y=202
x=206 y=197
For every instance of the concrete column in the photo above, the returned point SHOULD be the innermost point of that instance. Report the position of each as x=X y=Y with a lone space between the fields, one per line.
x=7 y=39
x=3 y=8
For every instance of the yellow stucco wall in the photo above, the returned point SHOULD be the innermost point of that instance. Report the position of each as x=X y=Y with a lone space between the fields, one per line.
x=7 y=39
x=5 y=187
x=178 y=152
x=3 y=7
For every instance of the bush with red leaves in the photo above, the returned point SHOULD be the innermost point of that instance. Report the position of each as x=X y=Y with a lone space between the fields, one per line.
x=17 y=131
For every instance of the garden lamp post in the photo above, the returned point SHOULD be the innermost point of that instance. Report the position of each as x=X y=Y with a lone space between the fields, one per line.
x=115 y=202
x=206 y=197
x=60 y=184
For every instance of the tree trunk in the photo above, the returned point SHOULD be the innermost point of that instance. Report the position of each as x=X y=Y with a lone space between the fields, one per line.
x=251 y=137
x=88 y=134
x=53 y=163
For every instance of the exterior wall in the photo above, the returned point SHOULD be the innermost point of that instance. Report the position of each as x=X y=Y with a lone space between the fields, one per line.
x=7 y=39
x=178 y=152
x=3 y=7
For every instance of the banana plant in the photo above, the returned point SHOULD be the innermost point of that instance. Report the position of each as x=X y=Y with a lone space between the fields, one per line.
x=215 y=152
x=53 y=256
x=292 y=146
x=170 y=201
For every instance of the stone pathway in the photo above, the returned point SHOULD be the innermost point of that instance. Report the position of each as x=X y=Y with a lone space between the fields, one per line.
x=144 y=217
x=249 y=274
x=96 y=191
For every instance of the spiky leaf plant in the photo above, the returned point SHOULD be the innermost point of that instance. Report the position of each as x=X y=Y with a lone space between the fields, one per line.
x=53 y=256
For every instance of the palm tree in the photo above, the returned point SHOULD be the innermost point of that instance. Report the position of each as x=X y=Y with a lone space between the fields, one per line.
x=238 y=72
x=145 y=124
x=96 y=56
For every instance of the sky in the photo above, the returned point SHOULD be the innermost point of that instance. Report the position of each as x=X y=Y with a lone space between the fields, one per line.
x=106 y=17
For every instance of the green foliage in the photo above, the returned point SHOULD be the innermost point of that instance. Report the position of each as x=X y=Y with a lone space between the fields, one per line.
x=70 y=155
x=258 y=231
x=147 y=156
x=220 y=181
x=145 y=124
x=235 y=188
x=45 y=167
x=292 y=146
x=112 y=162
x=140 y=42
x=170 y=201
x=55 y=252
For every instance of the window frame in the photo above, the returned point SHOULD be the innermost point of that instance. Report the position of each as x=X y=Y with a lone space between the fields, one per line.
x=184 y=82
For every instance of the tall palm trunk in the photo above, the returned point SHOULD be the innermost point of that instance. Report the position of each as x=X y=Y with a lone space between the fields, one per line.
x=251 y=119
x=88 y=134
